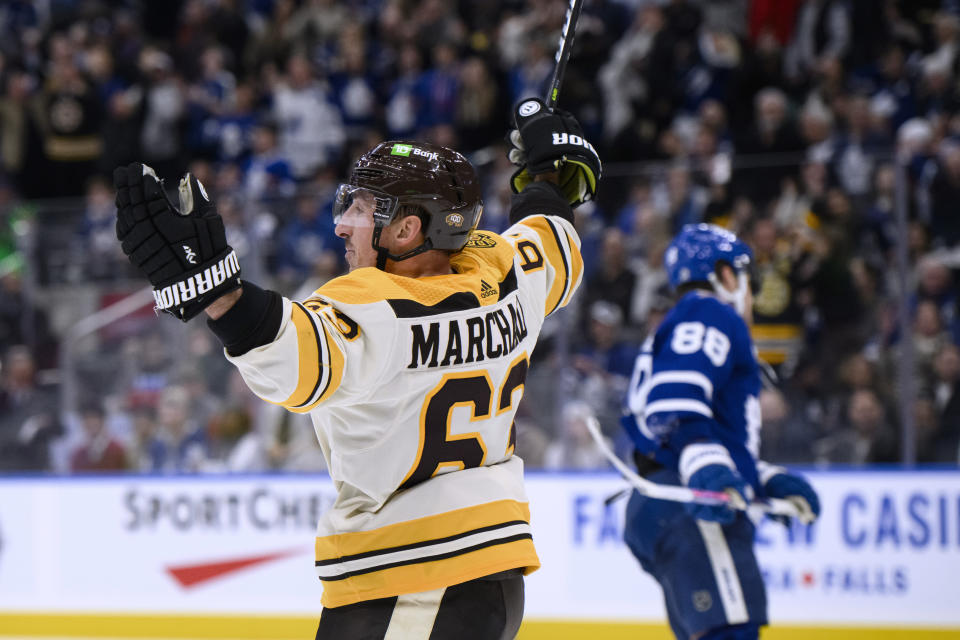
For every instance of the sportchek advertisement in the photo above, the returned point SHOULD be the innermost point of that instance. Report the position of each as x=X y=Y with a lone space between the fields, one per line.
x=886 y=551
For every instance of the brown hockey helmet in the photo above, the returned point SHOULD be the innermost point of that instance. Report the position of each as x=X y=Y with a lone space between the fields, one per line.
x=440 y=182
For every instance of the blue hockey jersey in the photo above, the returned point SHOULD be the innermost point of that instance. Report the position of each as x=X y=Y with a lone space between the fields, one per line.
x=697 y=379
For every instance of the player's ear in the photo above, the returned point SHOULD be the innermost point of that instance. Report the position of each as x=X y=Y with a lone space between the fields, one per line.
x=727 y=276
x=408 y=229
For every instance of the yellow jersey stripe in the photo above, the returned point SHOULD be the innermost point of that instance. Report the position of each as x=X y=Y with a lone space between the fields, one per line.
x=308 y=356
x=334 y=365
x=424 y=529
x=432 y=574
x=776 y=331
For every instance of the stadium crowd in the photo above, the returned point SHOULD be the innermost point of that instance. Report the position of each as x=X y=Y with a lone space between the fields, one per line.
x=788 y=121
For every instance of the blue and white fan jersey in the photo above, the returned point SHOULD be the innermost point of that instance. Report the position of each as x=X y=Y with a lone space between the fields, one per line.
x=697 y=379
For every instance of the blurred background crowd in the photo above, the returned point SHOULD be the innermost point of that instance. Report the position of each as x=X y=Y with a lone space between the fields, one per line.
x=825 y=132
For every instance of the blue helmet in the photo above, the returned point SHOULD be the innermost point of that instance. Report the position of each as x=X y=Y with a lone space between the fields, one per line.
x=695 y=251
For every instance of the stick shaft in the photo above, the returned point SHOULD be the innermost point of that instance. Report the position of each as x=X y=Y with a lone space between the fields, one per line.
x=772 y=506
x=563 y=51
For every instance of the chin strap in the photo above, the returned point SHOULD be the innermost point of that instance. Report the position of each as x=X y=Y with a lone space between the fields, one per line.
x=737 y=297
x=383 y=254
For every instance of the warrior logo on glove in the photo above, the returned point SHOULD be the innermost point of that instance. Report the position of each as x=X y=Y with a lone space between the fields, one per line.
x=182 y=249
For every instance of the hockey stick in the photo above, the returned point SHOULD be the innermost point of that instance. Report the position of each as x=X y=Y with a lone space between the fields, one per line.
x=771 y=506
x=563 y=51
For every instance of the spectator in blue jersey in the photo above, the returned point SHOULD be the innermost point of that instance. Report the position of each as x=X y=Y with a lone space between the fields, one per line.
x=694 y=418
x=267 y=174
x=234 y=127
x=305 y=238
x=402 y=112
x=355 y=86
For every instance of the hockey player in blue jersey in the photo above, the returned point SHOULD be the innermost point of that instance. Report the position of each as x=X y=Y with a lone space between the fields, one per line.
x=694 y=416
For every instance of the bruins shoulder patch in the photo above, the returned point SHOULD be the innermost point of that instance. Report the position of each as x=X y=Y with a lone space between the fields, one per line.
x=481 y=240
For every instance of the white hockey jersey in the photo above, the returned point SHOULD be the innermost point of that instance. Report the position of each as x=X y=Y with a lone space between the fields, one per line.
x=412 y=386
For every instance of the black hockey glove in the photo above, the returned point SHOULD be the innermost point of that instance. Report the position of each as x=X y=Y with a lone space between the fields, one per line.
x=547 y=141
x=182 y=251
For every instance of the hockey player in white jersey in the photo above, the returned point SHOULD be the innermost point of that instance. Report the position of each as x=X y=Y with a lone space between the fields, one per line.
x=410 y=366
x=694 y=417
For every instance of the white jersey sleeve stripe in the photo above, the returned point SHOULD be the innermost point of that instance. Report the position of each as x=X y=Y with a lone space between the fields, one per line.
x=667 y=406
x=683 y=377
x=724 y=572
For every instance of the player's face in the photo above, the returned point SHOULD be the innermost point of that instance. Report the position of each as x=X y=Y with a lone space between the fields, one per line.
x=356 y=228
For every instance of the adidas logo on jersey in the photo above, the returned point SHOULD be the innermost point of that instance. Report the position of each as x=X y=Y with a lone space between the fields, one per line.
x=486 y=290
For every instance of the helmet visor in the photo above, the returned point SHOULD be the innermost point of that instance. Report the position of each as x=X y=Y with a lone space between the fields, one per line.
x=359 y=206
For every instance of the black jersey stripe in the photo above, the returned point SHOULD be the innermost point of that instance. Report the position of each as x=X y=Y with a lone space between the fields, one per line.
x=415 y=545
x=460 y=301
x=566 y=266
x=433 y=558
x=509 y=284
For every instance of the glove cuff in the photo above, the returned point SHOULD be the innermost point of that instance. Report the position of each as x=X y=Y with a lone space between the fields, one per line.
x=250 y=323
x=765 y=471
x=539 y=198
x=190 y=293
x=700 y=454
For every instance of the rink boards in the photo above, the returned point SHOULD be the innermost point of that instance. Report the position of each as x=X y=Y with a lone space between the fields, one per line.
x=231 y=557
